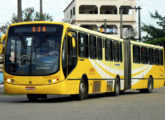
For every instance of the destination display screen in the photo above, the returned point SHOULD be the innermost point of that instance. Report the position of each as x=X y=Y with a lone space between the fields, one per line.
x=36 y=29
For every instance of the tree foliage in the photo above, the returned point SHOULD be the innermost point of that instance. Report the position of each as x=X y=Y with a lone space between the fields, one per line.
x=155 y=34
x=29 y=14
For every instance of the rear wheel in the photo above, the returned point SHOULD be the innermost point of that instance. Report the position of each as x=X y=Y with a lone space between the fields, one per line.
x=149 y=86
x=117 y=87
x=83 y=90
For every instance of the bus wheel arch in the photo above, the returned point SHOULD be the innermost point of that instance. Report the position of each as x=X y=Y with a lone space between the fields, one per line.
x=83 y=87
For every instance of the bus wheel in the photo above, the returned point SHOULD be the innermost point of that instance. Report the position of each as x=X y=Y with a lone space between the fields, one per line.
x=83 y=90
x=32 y=97
x=150 y=85
x=117 y=87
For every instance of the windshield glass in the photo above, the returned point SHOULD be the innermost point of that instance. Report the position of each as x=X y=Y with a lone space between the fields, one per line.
x=32 y=55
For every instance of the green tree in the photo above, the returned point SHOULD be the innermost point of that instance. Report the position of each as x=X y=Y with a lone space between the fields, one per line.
x=155 y=34
x=29 y=14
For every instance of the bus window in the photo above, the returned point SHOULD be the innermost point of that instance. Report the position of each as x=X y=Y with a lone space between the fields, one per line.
x=83 y=45
x=92 y=46
x=144 y=59
x=161 y=57
x=72 y=53
x=120 y=53
x=156 y=56
x=99 y=47
x=136 y=54
x=111 y=50
x=107 y=50
x=150 y=56
x=116 y=51
x=64 y=58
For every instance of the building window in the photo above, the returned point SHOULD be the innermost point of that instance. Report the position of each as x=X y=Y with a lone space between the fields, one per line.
x=70 y=14
x=88 y=9
x=108 y=10
x=110 y=29
x=126 y=10
x=92 y=46
x=83 y=45
x=99 y=48
x=74 y=11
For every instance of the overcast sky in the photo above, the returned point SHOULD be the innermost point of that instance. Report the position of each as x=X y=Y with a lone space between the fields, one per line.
x=56 y=7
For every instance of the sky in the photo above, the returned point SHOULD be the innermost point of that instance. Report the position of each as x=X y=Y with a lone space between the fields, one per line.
x=55 y=8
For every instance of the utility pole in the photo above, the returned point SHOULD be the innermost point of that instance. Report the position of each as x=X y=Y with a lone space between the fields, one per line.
x=121 y=22
x=19 y=10
x=139 y=22
x=41 y=13
x=105 y=25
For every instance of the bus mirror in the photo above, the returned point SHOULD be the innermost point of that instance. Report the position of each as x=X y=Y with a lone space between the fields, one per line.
x=73 y=40
x=3 y=38
x=1 y=49
x=73 y=43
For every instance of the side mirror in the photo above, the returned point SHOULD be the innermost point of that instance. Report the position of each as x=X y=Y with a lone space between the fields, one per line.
x=73 y=40
x=3 y=39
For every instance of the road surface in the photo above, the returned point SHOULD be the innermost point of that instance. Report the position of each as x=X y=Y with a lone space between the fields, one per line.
x=130 y=106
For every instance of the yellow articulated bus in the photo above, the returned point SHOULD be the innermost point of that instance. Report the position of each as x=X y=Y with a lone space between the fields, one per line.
x=44 y=58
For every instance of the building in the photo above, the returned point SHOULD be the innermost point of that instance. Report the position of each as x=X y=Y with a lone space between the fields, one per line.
x=100 y=14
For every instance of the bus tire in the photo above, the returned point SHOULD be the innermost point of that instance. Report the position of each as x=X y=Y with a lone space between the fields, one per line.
x=83 y=90
x=32 y=97
x=117 y=87
x=149 y=86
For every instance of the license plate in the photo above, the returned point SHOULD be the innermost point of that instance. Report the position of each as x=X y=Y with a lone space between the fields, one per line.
x=30 y=88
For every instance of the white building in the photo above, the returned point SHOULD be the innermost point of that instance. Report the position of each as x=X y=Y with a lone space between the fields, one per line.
x=91 y=14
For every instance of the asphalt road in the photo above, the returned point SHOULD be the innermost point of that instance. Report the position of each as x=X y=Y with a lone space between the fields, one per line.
x=130 y=106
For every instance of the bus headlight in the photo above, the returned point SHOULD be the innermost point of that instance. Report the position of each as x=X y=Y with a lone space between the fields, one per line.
x=54 y=80
x=8 y=80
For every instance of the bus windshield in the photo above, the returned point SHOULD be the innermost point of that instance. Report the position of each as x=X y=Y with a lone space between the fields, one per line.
x=33 y=55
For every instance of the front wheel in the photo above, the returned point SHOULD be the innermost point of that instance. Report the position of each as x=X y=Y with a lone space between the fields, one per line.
x=83 y=90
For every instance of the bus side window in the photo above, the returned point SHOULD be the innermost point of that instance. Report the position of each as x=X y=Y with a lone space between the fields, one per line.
x=116 y=51
x=161 y=57
x=64 y=58
x=156 y=56
x=120 y=52
x=144 y=59
x=99 y=48
x=136 y=54
x=150 y=56
x=72 y=53
x=107 y=50
x=83 y=45
x=92 y=46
